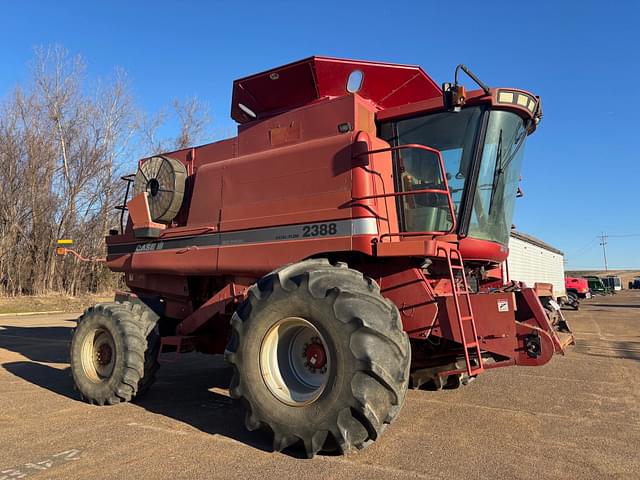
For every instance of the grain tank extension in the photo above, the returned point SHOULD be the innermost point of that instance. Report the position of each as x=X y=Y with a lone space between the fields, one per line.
x=336 y=251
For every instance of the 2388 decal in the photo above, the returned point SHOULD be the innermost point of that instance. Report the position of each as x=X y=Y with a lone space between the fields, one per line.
x=319 y=230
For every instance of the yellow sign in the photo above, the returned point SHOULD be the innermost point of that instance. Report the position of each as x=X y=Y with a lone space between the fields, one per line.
x=65 y=242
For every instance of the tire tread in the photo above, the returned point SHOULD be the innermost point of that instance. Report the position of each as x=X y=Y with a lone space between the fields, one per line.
x=361 y=423
x=137 y=329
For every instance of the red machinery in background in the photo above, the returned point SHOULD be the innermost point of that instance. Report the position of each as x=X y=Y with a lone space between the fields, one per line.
x=336 y=250
x=577 y=287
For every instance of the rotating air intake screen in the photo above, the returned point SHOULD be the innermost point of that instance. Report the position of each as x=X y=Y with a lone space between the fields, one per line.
x=164 y=179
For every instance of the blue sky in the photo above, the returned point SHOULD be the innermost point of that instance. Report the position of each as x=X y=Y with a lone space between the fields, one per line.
x=582 y=167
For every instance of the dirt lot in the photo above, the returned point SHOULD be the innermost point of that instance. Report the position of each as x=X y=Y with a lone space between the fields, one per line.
x=577 y=417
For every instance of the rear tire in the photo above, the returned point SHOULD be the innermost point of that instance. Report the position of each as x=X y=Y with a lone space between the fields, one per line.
x=336 y=370
x=113 y=353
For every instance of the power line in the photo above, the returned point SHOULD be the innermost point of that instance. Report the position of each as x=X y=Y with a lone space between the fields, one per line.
x=592 y=243
x=584 y=249
x=603 y=242
x=603 y=237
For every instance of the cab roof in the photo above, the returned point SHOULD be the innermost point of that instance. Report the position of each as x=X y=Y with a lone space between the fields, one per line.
x=315 y=78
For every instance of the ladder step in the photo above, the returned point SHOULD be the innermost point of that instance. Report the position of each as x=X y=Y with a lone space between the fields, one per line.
x=454 y=256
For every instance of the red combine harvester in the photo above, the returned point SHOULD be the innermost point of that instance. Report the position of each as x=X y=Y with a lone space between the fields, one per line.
x=336 y=251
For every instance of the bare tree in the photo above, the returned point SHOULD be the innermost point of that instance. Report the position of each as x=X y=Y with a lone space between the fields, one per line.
x=148 y=128
x=61 y=156
x=64 y=144
x=193 y=117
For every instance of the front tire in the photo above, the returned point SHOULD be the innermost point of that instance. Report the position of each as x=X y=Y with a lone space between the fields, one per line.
x=113 y=352
x=319 y=357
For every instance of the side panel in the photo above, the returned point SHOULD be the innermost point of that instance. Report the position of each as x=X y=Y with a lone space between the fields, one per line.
x=284 y=193
x=495 y=319
x=505 y=321
x=530 y=263
x=303 y=183
x=251 y=253
x=409 y=290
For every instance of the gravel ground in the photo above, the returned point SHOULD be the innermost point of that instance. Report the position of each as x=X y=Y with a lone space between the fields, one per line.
x=577 y=417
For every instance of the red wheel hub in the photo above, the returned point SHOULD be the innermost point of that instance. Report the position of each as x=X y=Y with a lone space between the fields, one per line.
x=316 y=356
x=104 y=354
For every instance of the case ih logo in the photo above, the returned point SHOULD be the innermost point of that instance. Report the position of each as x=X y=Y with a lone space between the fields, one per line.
x=149 y=247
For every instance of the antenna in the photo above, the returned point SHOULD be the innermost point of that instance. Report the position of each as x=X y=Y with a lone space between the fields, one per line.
x=473 y=77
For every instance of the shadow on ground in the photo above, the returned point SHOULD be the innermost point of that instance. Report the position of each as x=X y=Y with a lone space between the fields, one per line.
x=183 y=390
x=614 y=305
x=629 y=350
x=41 y=344
x=53 y=379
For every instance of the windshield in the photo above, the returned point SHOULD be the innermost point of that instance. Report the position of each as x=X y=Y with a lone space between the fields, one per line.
x=455 y=134
x=498 y=178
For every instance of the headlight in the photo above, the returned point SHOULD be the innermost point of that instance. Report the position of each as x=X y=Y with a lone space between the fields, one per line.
x=518 y=98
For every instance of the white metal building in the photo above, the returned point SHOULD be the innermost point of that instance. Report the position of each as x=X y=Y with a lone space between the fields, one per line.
x=531 y=260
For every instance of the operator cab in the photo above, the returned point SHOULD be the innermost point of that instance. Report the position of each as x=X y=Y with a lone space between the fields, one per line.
x=482 y=147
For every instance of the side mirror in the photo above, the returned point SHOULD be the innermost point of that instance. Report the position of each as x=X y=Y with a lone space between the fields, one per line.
x=453 y=96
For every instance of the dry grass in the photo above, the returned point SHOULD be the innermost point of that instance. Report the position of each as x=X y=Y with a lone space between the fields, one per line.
x=48 y=303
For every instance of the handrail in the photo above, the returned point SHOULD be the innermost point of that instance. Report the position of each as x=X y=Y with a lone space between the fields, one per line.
x=401 y=147
x=129 y=179
x=402 y=194
x=436 y=191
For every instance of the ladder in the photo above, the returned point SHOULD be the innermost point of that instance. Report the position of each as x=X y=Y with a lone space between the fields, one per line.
x=456 y=272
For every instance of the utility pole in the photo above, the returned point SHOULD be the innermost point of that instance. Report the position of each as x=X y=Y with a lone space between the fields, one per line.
x=603 y=242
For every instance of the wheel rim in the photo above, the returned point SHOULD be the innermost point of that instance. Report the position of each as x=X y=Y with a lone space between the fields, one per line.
x=294 y=361
x=98 y=355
